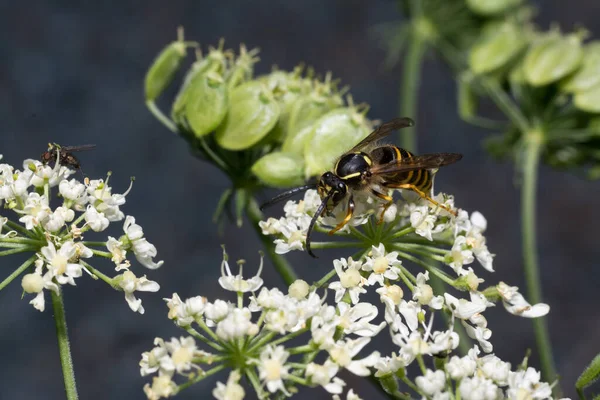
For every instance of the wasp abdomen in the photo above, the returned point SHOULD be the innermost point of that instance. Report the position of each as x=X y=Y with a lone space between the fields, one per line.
x=421 y=178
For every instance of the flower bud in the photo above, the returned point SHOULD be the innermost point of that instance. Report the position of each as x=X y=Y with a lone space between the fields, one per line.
x=589 y=74
x=334 y=132
x=280 y=169
x=552 y=57
x=491 y=7
x=253 y=112
x=299 y=289
x=32 y=283
x=497 y=47
x=206 y=103
x=164 y=67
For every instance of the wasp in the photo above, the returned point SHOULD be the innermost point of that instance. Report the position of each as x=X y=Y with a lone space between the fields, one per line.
x=376 y=169
x=64 y=154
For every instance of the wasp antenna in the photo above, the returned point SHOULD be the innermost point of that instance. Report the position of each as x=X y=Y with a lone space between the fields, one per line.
x=318 y=213
x=286 y=195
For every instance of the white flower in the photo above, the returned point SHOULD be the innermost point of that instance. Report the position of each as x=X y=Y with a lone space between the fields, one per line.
x=343 y=352
x=390 y=364
x=162 y=386
x=464 y=309
x=382 y=265
x=460 y=367
x=350 y=281
x=432 y=382
x=104 y=201
x=349 y=396
x=527 y=385
x=43 y=174
x=294 y=237
x=144 y=251
x=215 y=312
x=423 y=222
x=130 y=283
x=73 y=190
x=459 y=255
x=182 y=352
x=36 y=210
x=236 y=324
x=356 y=319
x=237 y=283
x=13 y=184
x=325 y=375
x=95 y=220
x=36 y=283
x=515 y=303
x=58 y=262
x=479 y=388
x=494 y=368
x=115 y=247
x=272 y=369
x=232 y=390
x=270 y=227
x=151 y=360
x=423 y=292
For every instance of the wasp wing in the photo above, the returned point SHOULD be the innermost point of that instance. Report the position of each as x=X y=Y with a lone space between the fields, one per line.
x=424 y=161
x=82 y=147
x=382 y=131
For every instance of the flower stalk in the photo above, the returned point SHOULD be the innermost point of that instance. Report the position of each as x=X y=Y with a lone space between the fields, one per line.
x=533 y=146
x=64 y=349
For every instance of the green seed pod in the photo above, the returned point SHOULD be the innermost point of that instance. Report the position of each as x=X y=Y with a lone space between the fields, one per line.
x=552 y=57
x=279 y=169
x=497 y=48
x=206 y=103
x=589 y=73
x=389 y=383
x=164 y=67
x=588 y=100
x=491 y=7
x=287 y=87
x=303 y=114
x=332 y=135
x=243 y=67
x=253 y=112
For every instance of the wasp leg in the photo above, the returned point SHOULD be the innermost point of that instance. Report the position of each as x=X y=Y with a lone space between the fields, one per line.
x=387 y=205
x=412 y=187
x=349 y=212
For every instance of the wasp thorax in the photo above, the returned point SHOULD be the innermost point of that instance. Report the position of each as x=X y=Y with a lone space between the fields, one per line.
x=352 y=166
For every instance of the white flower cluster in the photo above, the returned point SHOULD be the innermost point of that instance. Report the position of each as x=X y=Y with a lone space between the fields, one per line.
x=463 y=233
x=487 y=377
x=55 y=233
x=250 y=336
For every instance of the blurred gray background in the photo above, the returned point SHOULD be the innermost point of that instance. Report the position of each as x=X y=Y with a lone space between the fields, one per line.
x=73 y=74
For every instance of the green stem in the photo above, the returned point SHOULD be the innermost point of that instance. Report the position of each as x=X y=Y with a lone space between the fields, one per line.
x=16 y=250
x=534 y=140
x=17 y=272
x=335 y=245
x=202 y=376
x=161 y=117
x=282 y=266
x=63 y=346
x=409 y=90
x=324 y=279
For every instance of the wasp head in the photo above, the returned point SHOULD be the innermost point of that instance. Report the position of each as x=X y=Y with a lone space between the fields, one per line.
x=332 y=184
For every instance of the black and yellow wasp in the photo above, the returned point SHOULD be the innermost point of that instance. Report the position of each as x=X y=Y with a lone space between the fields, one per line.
x=376 y=169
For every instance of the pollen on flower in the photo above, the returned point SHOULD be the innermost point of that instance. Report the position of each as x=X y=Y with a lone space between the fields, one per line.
x=380 y=265
x=182 y=356
x=350 y=278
